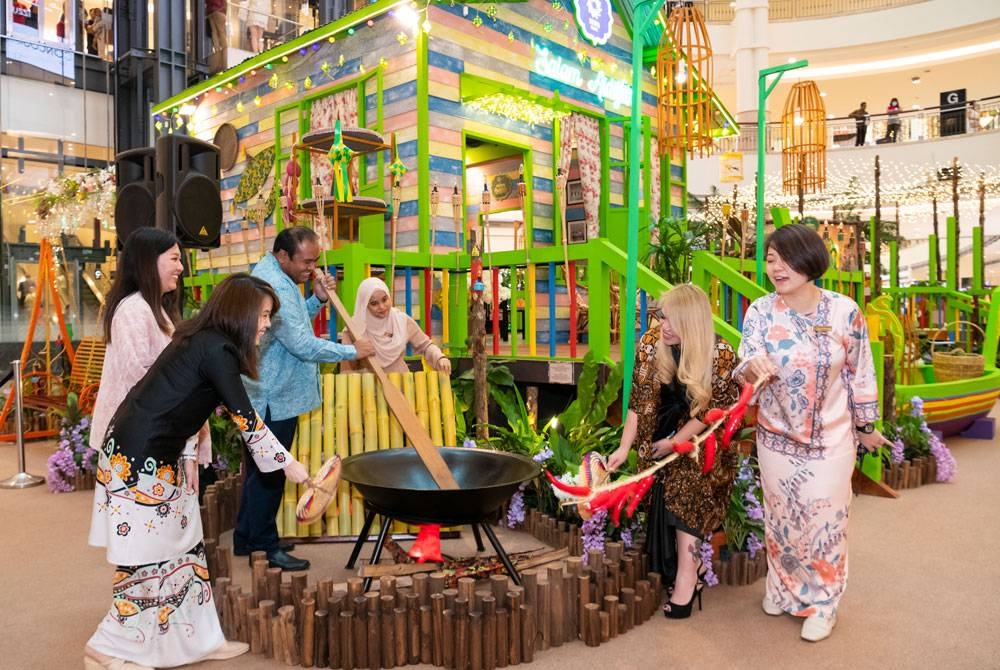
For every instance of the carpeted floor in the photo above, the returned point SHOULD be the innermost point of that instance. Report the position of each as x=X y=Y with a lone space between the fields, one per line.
x=924 y=585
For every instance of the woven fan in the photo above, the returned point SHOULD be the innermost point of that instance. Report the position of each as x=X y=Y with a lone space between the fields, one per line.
x=321 y=491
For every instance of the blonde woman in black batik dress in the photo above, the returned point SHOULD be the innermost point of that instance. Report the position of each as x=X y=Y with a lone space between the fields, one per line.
x=681 y=371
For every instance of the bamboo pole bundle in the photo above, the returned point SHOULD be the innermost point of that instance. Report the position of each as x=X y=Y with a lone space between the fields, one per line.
x=448 y=411
x=420 y=391
x=395 y=429
x=434 y=407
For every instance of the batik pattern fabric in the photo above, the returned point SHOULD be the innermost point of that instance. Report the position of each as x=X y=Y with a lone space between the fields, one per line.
x=806 y=441
x=162 y=614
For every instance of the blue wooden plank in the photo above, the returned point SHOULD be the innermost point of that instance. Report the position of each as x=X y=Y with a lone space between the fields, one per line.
x=552 y=309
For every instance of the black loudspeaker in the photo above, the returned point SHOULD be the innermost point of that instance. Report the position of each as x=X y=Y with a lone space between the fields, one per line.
x=187 y=190
x=135 y=201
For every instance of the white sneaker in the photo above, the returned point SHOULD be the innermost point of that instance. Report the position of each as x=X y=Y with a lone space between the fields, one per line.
x=816 y=628
x=770 y=607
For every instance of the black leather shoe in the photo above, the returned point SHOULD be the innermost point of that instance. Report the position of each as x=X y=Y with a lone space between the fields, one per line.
x=287 y=544
x=285 y=561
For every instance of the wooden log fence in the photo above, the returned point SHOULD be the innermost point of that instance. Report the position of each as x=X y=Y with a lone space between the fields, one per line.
x=478 y=625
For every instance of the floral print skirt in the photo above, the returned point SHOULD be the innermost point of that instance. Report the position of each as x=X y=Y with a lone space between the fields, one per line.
x=806 y=506
x=162 y=614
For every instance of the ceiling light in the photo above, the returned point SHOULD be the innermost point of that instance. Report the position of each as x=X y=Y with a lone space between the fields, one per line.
x=914 y=80
x=901 y=62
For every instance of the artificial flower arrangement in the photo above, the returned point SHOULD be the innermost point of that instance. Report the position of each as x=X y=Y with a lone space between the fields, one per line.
x=68 y=202
x=911 y=438
x=73 y=456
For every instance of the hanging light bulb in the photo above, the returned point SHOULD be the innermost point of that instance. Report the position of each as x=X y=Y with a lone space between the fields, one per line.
x=682 y=73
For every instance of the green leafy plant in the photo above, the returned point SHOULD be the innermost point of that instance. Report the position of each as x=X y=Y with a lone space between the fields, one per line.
x=501 y=386
x=669 y=255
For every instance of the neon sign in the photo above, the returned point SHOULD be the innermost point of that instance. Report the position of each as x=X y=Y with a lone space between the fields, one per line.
x=616 y=91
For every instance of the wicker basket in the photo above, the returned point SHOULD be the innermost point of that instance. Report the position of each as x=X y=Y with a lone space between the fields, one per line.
x=953 y=365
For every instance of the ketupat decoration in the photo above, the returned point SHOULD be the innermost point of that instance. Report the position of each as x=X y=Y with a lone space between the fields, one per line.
x=625 y=494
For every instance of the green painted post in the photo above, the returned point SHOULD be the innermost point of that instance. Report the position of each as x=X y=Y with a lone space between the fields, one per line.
x=992 y=334
x=763 y=90
x=933 y=272
x=599 y=324
x=644 y=15
x=951 y=256
x=355 y=271
x=894 y=264
x=977 y=258
x=458 y=312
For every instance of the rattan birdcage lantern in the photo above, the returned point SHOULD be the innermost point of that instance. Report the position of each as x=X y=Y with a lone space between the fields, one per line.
x=803 y=140
x=684 y=84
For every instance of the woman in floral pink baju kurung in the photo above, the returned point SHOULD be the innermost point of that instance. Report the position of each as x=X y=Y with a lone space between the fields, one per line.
x=821 y=396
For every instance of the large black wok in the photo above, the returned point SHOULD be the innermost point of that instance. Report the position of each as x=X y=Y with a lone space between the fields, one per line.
x=395 y=483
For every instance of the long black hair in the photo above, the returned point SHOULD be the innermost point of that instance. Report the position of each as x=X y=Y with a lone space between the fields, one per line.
x=234 y=309
x=137 y=271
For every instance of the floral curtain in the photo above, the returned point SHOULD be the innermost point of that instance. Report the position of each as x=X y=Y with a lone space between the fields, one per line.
x=324 y=114
x=581 y=132
x=588 y=153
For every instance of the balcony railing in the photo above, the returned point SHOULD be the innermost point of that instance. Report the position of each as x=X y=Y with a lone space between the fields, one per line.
x=915 y=126
x=723 y=11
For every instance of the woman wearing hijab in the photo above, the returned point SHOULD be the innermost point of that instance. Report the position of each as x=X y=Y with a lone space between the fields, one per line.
x=390 y=331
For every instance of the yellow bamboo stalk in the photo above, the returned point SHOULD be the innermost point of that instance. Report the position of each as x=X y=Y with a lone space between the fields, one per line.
x=409 y=394
x=344 y=508
x=382 y=412
x=445 y=302
x=532 y=310
x=340 y=416
x=303 y=437
x=420 y=392
x=368 y=411
x=355 y=428
x=434 y=407
x=329 y=443
x=315 y=459
x=395 y=429
x=448 y=412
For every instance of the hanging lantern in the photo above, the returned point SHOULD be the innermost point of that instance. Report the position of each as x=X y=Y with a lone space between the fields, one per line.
x=803 y=140
x=684 y=74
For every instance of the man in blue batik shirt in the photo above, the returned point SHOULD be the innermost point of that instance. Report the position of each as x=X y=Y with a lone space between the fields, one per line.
x=288 y=383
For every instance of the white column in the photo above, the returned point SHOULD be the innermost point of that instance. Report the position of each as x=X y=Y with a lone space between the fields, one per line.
x=751 y=49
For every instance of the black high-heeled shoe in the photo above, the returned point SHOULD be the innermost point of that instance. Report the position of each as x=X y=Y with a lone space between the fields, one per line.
x=699 y=585
x=673 y=610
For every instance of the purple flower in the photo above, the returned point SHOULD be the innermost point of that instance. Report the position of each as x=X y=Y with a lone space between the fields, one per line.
x=626 y=536
x=898 y=449
x=515 y=510
x=592 y=532
x=542 y=456
x=754 y=544
x=917 y=406
x=946 y=464
x=469 y=443
x=706 y=554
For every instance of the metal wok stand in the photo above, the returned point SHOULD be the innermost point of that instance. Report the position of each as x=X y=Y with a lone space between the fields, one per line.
x=384 y=533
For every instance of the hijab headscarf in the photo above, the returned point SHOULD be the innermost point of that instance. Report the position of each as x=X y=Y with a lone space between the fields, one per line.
x=388 y=334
